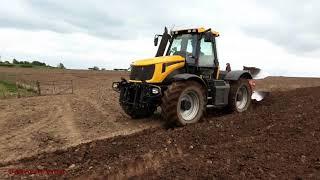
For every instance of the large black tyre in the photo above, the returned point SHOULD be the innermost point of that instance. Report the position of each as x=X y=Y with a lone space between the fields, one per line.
x=239 y=95
x=138 y=113
x=176 y=108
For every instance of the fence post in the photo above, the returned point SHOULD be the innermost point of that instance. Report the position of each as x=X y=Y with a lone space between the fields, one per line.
x=38 y=86
x=71 y=86
x=53 y=88
x=17 y=88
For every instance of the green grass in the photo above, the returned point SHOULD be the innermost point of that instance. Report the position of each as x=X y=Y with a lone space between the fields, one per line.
x=7 y=65
x=8 y=89
x=26 y=66
x=3 y=90
x=9 y=86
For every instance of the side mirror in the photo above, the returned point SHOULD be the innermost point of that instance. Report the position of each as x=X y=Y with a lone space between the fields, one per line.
x=208 y=36
x=155 y=41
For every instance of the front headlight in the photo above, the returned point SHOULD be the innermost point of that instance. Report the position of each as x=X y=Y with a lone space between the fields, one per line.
x=115 y=85
x=155 y=90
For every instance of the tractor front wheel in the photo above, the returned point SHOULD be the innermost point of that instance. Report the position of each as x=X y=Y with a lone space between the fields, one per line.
x=183 y=103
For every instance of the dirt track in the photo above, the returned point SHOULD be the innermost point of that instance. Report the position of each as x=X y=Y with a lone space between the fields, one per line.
x=276 y=138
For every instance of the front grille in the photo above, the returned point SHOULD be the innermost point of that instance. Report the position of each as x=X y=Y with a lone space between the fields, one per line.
x=142 y=73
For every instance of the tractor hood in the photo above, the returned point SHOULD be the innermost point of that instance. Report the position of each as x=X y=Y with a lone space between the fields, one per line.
x=157 y=60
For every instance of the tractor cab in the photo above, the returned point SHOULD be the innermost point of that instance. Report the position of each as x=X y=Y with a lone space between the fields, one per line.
x=197 y=46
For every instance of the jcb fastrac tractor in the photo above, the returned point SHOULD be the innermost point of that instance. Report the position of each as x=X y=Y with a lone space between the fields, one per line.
x=183 y=79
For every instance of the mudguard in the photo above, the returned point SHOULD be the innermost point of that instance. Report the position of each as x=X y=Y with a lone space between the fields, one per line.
x=186 y=76
x=235 y=75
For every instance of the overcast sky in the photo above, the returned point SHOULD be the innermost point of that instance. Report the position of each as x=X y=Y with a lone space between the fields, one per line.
x=281 y=37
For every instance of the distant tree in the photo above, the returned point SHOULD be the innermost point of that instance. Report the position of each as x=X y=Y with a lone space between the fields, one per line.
x=26 y=62
x=103 y=69
x=61 y=66
x=120 y=69
x=95 y=68
x=14 y=61
x=1 y=62
x=7 y=62
x=37 y=63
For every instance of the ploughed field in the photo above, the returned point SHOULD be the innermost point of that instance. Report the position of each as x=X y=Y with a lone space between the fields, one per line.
x=87 y=135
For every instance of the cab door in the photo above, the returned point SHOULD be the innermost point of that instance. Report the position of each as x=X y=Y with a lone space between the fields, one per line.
x=207 y=59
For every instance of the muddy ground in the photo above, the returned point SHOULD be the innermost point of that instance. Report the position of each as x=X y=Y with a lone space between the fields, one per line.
x=33 y=125
x=79 y=134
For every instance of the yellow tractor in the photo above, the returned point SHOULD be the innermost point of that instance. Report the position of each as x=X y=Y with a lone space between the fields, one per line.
x=184 y=79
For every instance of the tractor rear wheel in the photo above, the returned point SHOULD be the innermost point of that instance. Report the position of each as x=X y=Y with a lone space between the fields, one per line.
x=239 y=95
x=183 y=103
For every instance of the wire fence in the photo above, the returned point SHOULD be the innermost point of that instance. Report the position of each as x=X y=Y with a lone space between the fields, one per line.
x=15 y=85
x=56 y=87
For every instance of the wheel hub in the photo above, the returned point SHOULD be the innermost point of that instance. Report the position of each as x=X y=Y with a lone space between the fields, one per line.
x=189 y=105
x=242 y=97
x=239 y=96
x=185 y=105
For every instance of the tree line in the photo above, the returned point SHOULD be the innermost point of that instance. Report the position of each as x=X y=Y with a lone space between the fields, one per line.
x=15 y=62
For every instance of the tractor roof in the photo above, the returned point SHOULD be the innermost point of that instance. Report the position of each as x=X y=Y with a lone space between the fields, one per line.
x=194 y=30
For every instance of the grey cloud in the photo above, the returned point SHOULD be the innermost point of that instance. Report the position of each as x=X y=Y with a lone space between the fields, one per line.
x=295 y=25
x=83 y=15
x=63 y=17
x=107 y=19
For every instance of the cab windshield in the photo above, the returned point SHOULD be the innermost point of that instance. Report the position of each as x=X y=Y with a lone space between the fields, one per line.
x=183 y=45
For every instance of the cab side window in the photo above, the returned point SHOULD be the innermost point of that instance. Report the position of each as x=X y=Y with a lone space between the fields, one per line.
x=206 y=56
